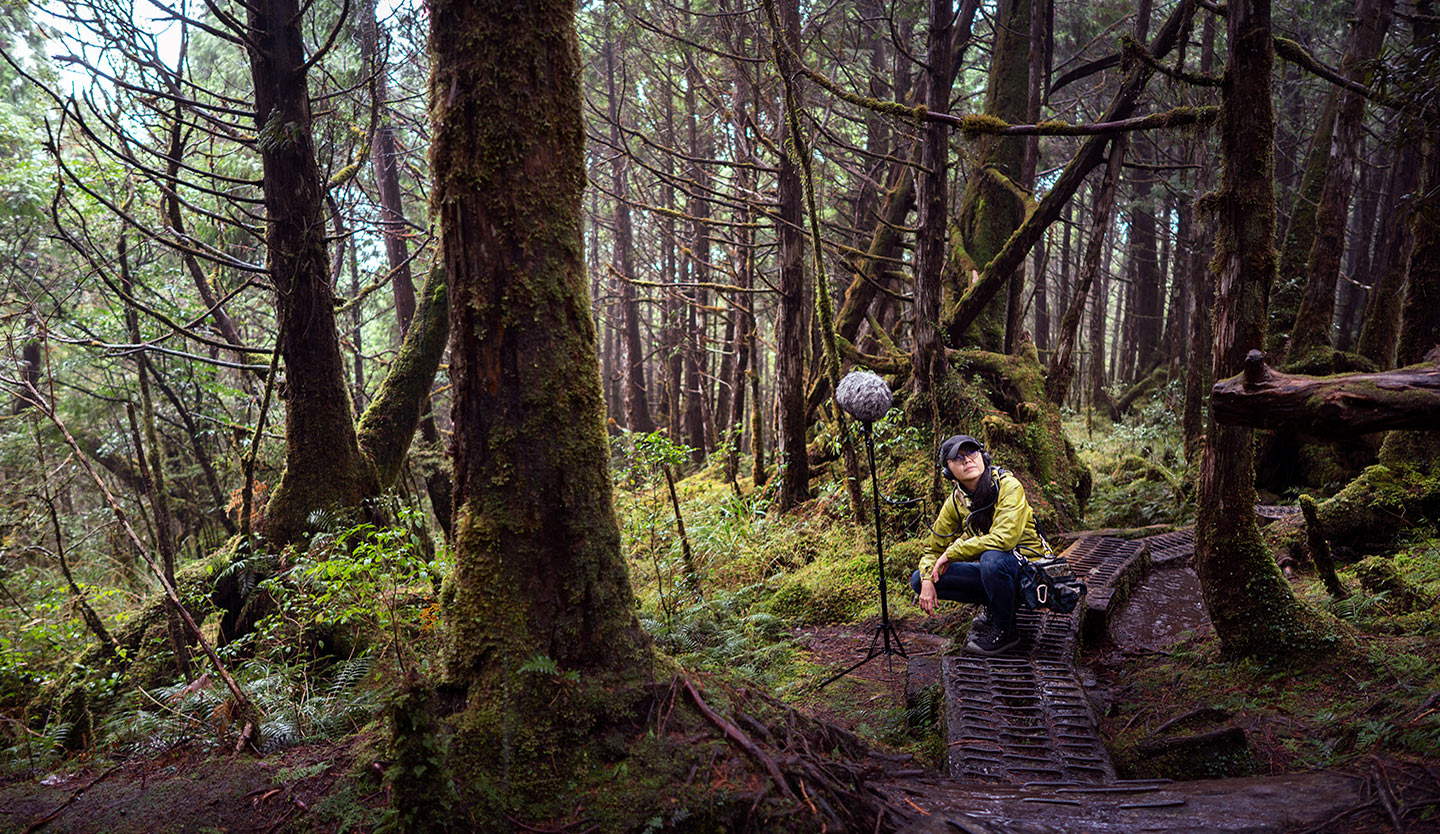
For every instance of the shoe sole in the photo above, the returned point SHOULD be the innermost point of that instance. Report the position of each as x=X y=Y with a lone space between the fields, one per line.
x=973 y=648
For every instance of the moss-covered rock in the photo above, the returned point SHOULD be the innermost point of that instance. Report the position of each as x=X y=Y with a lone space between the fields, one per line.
x=81 y=698
x=1378 y=574
x=1372 y=510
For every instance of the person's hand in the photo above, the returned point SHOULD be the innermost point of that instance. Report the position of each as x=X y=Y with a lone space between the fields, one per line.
x=940 y=565
x=927 y=597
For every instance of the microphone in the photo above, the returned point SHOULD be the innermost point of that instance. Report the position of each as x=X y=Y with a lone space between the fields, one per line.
x=864 y=396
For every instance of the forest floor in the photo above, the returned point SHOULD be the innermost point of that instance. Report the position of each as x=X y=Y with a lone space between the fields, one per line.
x=335 y=787
x=790 y=601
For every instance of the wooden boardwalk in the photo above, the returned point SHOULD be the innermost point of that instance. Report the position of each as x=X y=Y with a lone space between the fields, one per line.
x=1023 y=718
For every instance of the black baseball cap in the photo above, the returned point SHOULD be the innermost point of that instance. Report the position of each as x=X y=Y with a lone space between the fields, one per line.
x=954 y=445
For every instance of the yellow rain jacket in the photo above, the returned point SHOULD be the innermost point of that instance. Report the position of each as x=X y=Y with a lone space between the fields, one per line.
x=1012 y=527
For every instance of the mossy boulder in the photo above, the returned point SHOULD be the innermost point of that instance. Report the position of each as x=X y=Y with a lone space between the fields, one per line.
x=1378 y=574
x=1372 y=510
x=81 y=698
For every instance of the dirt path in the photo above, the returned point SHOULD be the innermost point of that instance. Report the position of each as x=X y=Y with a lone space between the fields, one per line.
x=187 y=791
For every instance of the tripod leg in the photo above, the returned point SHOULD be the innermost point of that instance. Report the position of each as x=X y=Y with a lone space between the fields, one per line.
x=870 y=655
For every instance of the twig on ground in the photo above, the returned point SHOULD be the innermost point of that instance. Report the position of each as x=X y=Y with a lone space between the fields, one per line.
x=736 y=735
x=43 y=821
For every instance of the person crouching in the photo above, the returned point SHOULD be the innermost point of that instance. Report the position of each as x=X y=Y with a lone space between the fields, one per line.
x=969 y=555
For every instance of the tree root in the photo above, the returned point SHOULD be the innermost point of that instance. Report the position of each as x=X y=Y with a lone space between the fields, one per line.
x=822 y=769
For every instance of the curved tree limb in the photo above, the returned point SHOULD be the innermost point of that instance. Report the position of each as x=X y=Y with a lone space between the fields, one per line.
x=1091 y=154
x=388 y=424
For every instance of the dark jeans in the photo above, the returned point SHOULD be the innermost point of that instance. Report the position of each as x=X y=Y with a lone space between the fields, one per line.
x=992 y=581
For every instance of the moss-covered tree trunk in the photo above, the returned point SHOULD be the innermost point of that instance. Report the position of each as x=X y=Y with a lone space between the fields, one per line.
x=1248 y=599
x=992 y=208
x=323 y=464
x=539 y=571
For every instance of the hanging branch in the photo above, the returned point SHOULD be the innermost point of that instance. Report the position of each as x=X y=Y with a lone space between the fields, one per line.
x=248 y=495
x=42 y=405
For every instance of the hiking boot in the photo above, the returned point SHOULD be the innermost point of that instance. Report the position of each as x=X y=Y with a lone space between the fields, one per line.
x=991 y=643
x=981 y=621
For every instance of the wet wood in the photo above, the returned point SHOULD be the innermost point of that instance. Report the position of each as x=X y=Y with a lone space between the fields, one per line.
x=1339 y=406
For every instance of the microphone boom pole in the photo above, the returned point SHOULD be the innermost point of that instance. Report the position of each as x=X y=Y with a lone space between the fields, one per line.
x=866 y=397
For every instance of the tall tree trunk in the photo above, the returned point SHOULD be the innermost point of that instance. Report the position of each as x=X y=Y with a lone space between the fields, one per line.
x=790 y=330
x=1057 y=377
x=671 y=338
x=150 y=455
x=1098 y=312
x=1380 y=331
x=1146 y=292
x=1202 y=294
x=323 y=463
x=1359 y=257
x=1254 y=611
x=699 y=272
x=991 y=209
x=539 y=570
x=1317 y=306
x=1172 y=344
x=928 y=356
x=1420 y=323
x=1300 y=231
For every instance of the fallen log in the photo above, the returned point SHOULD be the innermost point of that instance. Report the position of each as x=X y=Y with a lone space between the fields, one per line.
x=1336 y=406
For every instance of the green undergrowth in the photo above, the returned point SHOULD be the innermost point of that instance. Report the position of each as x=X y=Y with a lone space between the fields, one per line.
x=757 y=583
x=1378 y=699
x=336 y=622
x=1139 y=463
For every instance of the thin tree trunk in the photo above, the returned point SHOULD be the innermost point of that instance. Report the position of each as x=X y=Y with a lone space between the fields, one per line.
x=1380 y=331
x=1300 y=231
x=1358 y=257
x=637 y=402
x=1202 y=301
x=150 y=457
x=1057 y=378
x=790 y=331
x=928 y=358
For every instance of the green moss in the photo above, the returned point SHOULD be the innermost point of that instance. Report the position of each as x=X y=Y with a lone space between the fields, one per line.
x=978 y=124
x=1377 y=506
x=1379 y=574
x=388 y=424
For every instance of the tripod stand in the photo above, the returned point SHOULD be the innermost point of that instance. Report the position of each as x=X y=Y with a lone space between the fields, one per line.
x=885 y=633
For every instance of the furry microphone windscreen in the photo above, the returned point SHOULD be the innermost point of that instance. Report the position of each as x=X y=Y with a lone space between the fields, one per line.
x=864 y=395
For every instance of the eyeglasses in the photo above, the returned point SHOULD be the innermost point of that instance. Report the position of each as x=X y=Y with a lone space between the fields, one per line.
x=963 y=455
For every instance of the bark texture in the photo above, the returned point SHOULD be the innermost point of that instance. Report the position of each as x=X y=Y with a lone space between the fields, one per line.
x=1251 y=604
x=323 y=463
x=790 y=330
x=539 y=572
x=1338 y=407
x=1317 y=306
